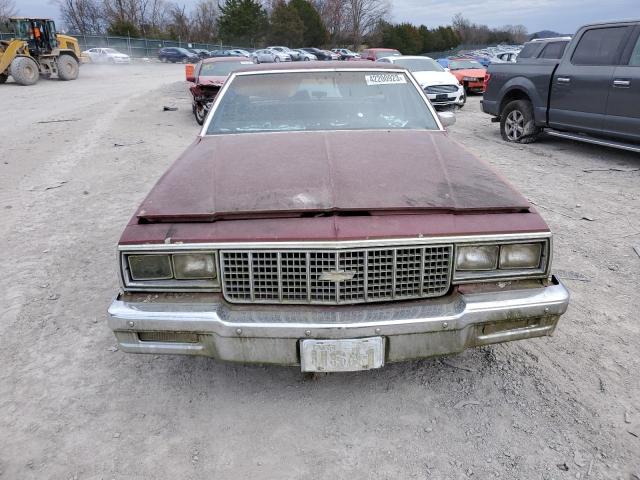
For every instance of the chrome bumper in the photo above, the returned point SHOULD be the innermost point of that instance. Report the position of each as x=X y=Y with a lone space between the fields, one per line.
x=271 y=334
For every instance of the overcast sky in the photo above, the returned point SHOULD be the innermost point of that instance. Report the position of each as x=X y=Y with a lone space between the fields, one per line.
x=562 y=16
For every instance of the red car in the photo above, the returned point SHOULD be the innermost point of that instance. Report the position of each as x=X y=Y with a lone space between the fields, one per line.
x=324 y=218
x=470 y=73
x=374 y=54
x=208 y=76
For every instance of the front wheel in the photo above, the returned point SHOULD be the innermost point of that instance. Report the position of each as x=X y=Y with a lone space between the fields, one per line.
x=3 y=78
x=517 y=124
x=463 y=100
x=200 y=113
x=306 y=59
x=24 y=70
x=277 y=60
x=68 y=67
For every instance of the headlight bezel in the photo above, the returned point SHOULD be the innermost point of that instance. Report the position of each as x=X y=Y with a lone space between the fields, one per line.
x=168 y=284
x=499 y=273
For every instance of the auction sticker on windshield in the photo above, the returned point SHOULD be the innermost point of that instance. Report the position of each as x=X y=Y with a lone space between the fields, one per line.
x=385 y=78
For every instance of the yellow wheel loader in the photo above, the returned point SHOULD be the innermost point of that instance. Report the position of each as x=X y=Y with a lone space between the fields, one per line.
x=37 y=49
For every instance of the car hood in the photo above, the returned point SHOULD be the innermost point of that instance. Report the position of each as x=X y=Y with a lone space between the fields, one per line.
x=258 y=175
x=469 y=72
x=435 y=78
x=216 y=80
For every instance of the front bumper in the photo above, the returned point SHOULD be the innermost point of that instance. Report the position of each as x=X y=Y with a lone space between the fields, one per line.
x=455 y=98
x=270 y=334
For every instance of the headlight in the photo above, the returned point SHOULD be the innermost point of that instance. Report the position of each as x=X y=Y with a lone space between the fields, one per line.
x=169 y=271
x=150 y=267
x=194 y=265
x=507 y=260
x=525 y=255
x=483 y=257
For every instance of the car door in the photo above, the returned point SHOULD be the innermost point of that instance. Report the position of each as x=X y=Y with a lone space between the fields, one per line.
x=580 y=84
x=623 y=104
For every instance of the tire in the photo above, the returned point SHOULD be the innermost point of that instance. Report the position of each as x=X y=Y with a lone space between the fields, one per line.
x=200 y=114
x=464 y=100
x=24 y=70
x=3 y=77
x=517 y=124
x=277 y=60
x=68 y=67
x=306 y=59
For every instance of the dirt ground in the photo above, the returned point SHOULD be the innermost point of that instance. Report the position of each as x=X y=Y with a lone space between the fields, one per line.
x=77 y=158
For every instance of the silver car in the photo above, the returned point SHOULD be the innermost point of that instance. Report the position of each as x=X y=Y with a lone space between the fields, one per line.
x=306 y=56
x=295 y=56
x=269 y=56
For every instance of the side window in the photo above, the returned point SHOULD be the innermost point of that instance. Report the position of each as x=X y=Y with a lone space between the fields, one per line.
x=553 y=50
x=634 y=61
x=600 y=46
x=528 y=50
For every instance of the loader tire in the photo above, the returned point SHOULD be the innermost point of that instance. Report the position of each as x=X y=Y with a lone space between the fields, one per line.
x=3 y=77
x=68 y=67
x=24 y=71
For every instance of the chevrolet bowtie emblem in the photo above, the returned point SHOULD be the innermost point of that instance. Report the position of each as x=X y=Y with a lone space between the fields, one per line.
x=336 y=276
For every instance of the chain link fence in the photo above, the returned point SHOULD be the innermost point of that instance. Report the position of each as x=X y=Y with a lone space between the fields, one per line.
x=136 y=47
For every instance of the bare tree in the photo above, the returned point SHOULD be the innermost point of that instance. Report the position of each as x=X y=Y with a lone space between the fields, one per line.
x=519 y=33
x=82 y=16
x=204 y=21
x=179 y=22
x=363 y=17
x=7 y=9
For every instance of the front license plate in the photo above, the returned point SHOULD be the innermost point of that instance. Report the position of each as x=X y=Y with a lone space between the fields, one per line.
x=344 y=355
x=442 y=96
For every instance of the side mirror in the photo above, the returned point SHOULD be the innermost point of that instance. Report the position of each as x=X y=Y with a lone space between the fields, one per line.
x=447 y=118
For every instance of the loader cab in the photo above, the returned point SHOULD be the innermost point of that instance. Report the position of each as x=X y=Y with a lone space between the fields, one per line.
x=39 y=33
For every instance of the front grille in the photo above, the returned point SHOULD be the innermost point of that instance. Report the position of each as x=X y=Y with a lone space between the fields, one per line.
x=435 y=89
x=295 y=276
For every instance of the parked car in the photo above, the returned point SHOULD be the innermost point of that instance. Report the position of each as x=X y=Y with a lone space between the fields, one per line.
x=374 y=54
x=442 y=88
x=208 y=77
x=306 y=56
x=176 y=54
x=345 y=53
x=106 y=55
x=295 y=56
x=319 y=54
x=200 y=52
x=469 y=73
x=238 y=52
x=263 y=244
x=270 y=56
x=590 y=93
x=219 y=53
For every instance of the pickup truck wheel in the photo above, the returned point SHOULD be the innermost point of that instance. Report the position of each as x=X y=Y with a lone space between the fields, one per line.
x=517 y=123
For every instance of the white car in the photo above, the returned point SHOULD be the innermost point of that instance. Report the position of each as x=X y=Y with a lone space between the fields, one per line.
x=295 y=56
x=107 y=55
x=269 y=56
x=441 y=86
x=306 y=56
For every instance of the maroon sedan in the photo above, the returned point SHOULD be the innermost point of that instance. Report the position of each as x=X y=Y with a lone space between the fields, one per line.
x=324 y=218
x=207 y=77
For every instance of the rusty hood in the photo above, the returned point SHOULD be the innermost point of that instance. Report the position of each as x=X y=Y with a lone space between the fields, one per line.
x=257 y=175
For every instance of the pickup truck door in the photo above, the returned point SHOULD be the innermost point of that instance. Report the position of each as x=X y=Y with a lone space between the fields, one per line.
x=580 y=84
x=623 y=106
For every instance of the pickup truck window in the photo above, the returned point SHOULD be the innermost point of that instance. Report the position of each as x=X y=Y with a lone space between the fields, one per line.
x=600 y=46
x=553 y=50
x=634 y=61
x=528 y=50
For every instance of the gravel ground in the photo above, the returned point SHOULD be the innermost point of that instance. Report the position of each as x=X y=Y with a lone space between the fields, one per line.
x=77 y=159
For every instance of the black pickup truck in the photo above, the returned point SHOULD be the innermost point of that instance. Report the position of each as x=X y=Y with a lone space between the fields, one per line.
x=589 y=92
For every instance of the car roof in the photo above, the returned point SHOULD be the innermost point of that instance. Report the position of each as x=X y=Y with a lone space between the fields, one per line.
x=332 y=65
x=224 y=59
x=410 y=57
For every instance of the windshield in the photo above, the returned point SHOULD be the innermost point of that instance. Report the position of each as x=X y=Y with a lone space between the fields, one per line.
x=308 y=101
x=419 y=64
x=110 y=50
x=463 y=64
x=221 y=69
x=387 y=53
